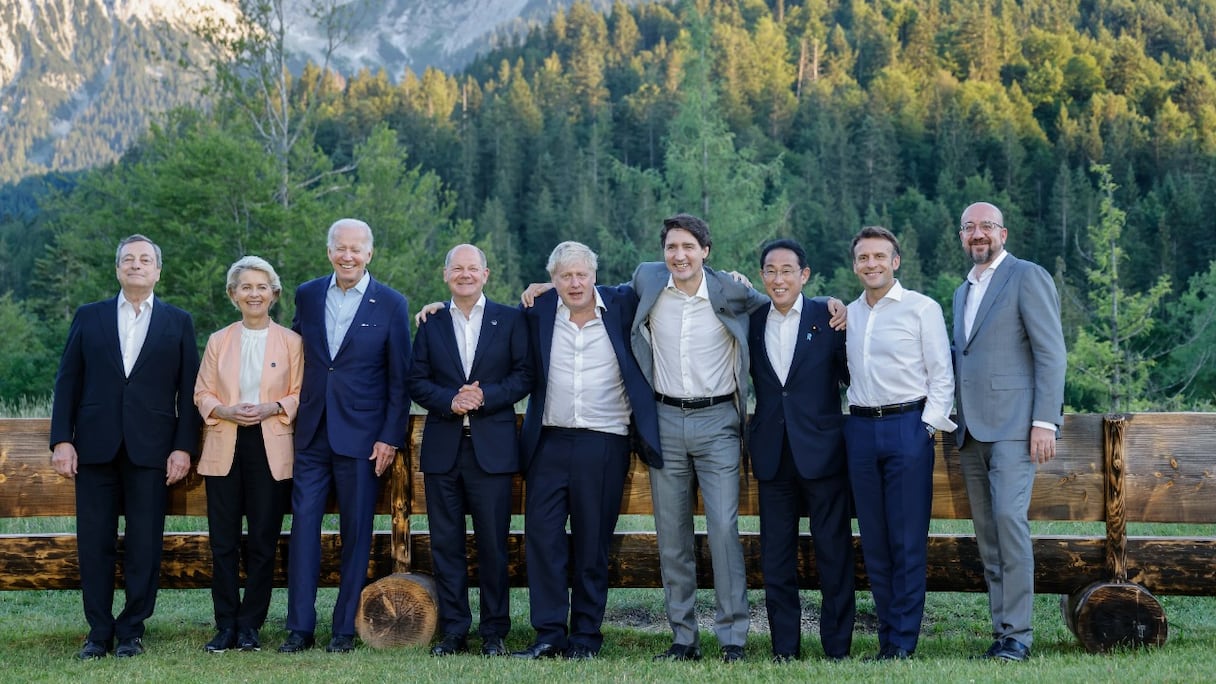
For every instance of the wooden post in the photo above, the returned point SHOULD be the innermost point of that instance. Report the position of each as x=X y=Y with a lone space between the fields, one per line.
x=403 y=608
x=1105 y=615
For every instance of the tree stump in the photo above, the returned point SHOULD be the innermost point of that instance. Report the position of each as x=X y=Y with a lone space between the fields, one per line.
x=399 y=610
x=1105 y=615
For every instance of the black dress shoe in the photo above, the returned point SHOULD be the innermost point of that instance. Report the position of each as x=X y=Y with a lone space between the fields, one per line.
x=451 y=644
x=247 y=639
x=493 y=646
x=297 y=642
x=680 y=652
x=129 y=647
x=1012 y=649
x=93 y=650
x=224 y=639
x=732 y=654
x=895 y=653
x=341 y=643
x=580 y=652
x=991 y=652
x=539 y=650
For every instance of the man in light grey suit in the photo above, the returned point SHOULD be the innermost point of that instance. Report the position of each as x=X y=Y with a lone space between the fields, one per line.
x=689 y=336
x=1009 y=361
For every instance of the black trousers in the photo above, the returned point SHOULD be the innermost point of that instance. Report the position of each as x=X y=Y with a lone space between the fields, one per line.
x=247 y=491
x=102 y=489
x=487 y=498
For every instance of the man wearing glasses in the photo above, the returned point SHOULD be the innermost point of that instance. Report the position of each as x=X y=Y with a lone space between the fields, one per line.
x=1009 y=361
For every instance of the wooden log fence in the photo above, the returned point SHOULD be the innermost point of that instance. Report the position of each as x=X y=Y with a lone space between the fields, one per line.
x=1115 y=470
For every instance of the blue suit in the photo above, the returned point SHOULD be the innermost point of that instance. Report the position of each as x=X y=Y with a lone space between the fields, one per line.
x=348 y=402
x=123 y=428
x=471 y=472
x=796 y=444
x=579 y=474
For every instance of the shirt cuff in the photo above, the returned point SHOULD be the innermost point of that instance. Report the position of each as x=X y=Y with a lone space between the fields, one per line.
x=1046 y=425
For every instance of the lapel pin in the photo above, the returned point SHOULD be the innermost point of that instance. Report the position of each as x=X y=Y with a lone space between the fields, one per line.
x=494 y=322
x=371 y=301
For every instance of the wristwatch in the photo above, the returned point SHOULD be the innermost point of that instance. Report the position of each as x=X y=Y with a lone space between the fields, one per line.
x=930 y=429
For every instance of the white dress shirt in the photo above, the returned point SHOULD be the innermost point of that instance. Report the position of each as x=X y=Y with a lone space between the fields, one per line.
x=694 y=354
x=975 y=293
x=132 y=329
x=253 y=355
x=780 y=337
x=899 y=352
x=340 y=308
x=468 y=331
x=585 y=387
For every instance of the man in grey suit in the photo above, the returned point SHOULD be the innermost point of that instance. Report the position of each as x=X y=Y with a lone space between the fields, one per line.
x=689 y=336
x=1009 y=361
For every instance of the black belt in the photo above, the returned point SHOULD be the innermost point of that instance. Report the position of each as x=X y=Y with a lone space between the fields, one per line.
x=695 y=403
x=466 y=431
x=888 y=410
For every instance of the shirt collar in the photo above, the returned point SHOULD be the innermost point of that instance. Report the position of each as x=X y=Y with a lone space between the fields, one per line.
x=702 y=289
x=796 y=308
x=360 y=287
x=123 y=301
x=564 y=311
x=896 y=293
x=987 y=272
x=479 y=305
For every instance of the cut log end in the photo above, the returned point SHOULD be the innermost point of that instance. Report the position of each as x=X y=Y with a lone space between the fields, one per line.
x=1109 y=615
x=398 y=610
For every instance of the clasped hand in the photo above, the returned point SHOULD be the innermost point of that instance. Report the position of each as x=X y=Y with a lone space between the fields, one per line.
x=246 y=414
x=468 y=398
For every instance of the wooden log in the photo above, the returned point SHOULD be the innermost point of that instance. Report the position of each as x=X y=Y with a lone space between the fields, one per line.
x=1171 y=468
x=399 y=610
x=1107 y=615
x=1116 y=524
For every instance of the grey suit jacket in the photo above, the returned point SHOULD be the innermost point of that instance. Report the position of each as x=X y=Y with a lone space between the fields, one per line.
x=1010 y=372
x=732 y=302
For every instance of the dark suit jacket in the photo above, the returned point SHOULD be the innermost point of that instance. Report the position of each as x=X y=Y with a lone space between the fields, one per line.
x=808 y=405
x=361 y=392
x=504 y=371
x=98 y=408
x=1010 y=372
x=620 y=304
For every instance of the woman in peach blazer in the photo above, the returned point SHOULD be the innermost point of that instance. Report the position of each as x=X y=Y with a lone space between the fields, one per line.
x=248 y=390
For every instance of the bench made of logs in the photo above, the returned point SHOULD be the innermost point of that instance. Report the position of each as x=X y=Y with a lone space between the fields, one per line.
x=1150 y=467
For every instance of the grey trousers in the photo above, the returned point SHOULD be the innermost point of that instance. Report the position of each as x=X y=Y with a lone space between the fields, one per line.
x=701 y=448
x=999 y=478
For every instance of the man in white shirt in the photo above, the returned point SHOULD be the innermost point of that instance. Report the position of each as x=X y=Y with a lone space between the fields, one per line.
x=1010 y=360
x=470 y=365
x=123 y=426
x=901 y=391
x=587 y=395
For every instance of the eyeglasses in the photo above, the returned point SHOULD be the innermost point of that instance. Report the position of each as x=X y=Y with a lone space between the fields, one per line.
x=985 y=227
x=785 y=273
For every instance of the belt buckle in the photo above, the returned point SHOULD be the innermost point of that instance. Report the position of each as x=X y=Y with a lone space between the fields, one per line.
x=686 y=404
x=878 y=412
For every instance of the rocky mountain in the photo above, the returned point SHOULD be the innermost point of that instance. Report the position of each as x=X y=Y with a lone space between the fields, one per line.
x=80 y=79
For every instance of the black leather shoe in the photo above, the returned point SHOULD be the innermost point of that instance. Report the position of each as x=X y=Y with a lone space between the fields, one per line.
x=732 y=654
x=224 y=639
x=341 y=643
x=129 y=647
x=451 y=644
x=539 y=650
x=297 y=642
x=580 y=652
x=93 y=650
x=1012 y=649
x=895 y=653
x=247 y=639
x=783 y=658
x=493 y=646
x=680 y=652
x=991 y=652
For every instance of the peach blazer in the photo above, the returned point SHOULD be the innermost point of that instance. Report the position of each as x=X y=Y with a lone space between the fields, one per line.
x=218 y=384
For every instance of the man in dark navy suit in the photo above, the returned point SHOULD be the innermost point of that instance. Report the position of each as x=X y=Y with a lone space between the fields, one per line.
x=798 y=366
x=123 y=426
x=353 y=415
x=470 y=366
x=575 y=445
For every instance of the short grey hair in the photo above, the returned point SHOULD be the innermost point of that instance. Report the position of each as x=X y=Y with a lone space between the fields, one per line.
x=138 y=238
x=252 y=263
x=447 y=260
x=570 y=252
x=349 y=223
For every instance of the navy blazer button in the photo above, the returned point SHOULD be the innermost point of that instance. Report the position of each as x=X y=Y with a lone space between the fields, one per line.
x=965 y=352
